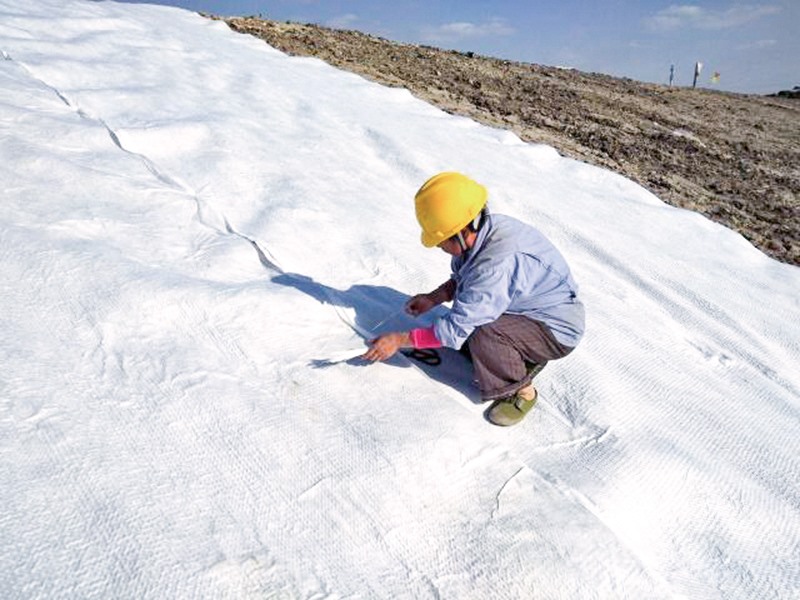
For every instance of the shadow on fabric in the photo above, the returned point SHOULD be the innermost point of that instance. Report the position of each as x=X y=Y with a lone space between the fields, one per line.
x=372 y=310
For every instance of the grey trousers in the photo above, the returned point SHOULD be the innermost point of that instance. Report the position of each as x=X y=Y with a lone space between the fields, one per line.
x=504 y=352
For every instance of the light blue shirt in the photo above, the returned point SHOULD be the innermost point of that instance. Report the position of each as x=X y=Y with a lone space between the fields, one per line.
x=512 y=268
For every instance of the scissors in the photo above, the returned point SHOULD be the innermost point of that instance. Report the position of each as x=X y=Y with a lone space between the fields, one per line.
x=427 y=356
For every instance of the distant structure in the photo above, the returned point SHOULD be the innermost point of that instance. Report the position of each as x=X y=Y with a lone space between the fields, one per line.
x=793 y=93
x=671 y=74
x=698 y=66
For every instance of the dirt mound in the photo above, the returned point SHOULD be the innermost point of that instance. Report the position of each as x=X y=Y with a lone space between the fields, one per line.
x=734 y=158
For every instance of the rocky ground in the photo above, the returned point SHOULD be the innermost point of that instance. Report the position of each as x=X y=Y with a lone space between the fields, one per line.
x=732 y=157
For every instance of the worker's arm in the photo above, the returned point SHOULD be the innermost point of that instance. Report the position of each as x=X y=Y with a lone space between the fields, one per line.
x=422 y=303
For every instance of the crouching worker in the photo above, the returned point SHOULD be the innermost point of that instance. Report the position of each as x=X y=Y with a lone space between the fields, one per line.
x=515 y=303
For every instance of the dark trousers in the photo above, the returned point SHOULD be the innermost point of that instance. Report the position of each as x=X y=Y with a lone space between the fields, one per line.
x=505 y=351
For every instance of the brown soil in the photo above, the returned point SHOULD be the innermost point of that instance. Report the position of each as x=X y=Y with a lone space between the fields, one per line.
x=732 y=157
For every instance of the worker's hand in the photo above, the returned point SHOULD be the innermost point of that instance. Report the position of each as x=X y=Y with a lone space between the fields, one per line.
x=419 y=304
x=385 y=346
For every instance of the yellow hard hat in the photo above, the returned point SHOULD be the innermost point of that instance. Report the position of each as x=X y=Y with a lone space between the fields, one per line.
x=447 y=203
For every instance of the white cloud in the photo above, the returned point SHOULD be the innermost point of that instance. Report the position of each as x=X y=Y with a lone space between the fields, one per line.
x=681 y=16
x=453 y=32
x=759 y=45
x=342 y=21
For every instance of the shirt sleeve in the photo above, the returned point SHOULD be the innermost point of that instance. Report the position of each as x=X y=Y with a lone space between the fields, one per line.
x=482 y=296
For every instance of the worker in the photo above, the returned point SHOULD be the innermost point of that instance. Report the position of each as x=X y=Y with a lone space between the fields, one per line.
x=514 y=300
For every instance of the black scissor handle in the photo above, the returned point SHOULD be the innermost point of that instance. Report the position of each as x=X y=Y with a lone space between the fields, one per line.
x=428 y=356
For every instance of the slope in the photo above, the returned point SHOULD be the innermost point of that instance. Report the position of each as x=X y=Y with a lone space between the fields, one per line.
x=188 y=250
x=731 y=157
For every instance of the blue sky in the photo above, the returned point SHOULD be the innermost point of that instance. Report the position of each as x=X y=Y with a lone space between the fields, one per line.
x=754 y=45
